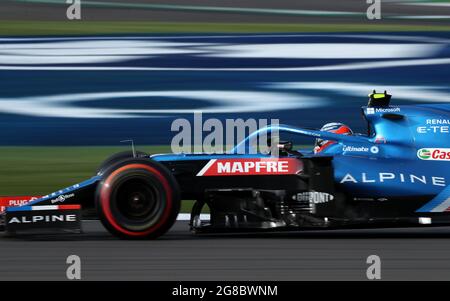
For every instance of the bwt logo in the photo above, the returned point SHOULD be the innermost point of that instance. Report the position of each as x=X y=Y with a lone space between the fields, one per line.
x=74 y=10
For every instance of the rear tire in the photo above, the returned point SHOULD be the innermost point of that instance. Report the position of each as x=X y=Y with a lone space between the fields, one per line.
x=137 y=199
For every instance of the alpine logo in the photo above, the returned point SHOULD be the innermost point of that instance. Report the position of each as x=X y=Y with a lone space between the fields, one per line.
x=43 y=217
x=434 y=154
x=52 y=218
x=251 y=166
x=389 y=177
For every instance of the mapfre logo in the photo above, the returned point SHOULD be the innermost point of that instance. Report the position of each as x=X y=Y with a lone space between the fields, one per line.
x=434 y=154
x=251 y=167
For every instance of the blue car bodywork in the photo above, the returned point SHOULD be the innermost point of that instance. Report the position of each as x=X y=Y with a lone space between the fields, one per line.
x=398 y=172
x=387 y=162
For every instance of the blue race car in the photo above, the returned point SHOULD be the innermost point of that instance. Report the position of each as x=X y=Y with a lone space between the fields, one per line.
x=397 y=174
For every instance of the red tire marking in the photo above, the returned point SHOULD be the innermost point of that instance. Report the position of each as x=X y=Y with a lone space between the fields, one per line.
x=106 y=192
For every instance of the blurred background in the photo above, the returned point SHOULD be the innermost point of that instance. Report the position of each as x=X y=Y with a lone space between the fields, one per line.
x=71 y=90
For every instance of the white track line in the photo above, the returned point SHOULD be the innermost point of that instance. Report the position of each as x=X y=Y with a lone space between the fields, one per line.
x=181 y=217
x=187 y=216
x=337 y=67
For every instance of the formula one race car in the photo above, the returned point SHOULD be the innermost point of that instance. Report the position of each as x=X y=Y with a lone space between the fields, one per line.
x=397 y=174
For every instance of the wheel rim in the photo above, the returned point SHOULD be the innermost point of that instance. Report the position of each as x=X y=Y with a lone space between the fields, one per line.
x=137 y=203
x=136 y=199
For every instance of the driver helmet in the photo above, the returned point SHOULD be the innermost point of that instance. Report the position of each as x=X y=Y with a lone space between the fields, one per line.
x=333 y=127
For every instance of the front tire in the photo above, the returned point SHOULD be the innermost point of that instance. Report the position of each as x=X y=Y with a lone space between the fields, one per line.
x=117 y=157
x=138 y=199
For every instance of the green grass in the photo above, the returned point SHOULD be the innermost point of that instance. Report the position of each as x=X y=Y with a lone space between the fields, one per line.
x=40 y=170
x=122 y=27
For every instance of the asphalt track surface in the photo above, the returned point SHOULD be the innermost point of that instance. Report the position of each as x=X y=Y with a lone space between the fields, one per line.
x=406 y=254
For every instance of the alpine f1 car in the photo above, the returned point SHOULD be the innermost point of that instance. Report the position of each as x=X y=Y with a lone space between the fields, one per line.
x=396 y=174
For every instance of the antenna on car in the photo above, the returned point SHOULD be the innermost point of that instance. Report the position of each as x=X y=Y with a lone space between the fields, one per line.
x=132 y=146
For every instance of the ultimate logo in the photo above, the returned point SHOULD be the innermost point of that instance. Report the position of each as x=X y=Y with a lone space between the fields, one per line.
x=424 y=154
